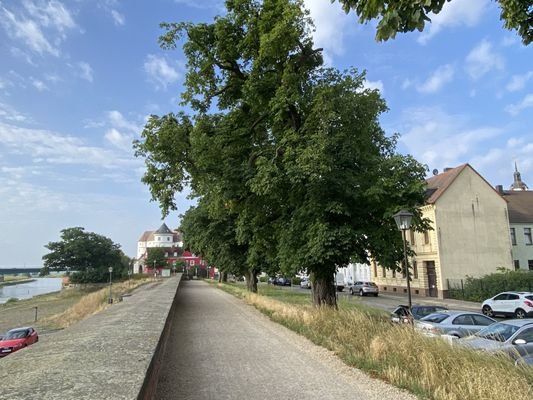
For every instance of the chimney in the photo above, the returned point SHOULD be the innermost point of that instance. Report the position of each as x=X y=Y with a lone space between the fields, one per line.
x=499 y=189
x=447 y=169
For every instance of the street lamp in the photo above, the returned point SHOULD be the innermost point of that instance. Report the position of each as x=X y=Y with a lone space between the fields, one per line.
x=110 y=299
x=403 y=221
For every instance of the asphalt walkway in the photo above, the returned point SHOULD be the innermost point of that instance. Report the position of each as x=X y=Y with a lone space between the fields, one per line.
x=220 y=348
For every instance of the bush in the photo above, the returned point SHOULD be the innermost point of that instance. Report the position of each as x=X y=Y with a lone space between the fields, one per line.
x=263 y=278
x=479 y=289
x=296 y=280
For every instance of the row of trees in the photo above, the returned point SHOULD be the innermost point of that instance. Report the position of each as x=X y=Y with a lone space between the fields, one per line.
x=287 y=158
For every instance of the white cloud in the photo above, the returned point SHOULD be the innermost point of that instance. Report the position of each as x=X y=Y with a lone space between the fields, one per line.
x=38 y=84
x=518 y=82
x=515 y=109
x=160 y=71
x=9 y=114
x=439 y=139
x=442 y=75
x=373 y=85
x=483 y=59
x=331 y=23
x=117 y=120
x=118 y=17
x=50 y=14
x=29 y=32
x=38 y=25
x=455 y=13
x=118 y=139
x=85 y=71
x=46 y=147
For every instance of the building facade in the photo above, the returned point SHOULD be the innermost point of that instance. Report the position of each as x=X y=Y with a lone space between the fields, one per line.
x=172 y=243
x=469 y=235
x=520 y=205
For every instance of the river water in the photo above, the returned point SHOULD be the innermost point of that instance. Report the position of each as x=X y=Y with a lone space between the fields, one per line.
x=30 y=289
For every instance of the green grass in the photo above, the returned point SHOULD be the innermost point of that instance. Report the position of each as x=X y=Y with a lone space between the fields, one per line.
x=365 y=339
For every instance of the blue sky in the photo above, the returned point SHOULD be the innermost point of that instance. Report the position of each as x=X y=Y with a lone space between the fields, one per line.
x=78 y=79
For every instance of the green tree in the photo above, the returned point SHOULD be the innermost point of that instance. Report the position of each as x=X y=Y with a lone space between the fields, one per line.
x=294 y=169
x=87 y=253
x=156 y=257
x=408 y=15
x=45 y=271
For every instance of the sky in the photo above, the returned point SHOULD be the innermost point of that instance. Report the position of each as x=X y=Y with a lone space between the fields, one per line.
x=79 y=78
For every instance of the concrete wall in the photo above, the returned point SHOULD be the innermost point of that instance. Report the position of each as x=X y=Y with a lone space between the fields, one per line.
x=114 y=354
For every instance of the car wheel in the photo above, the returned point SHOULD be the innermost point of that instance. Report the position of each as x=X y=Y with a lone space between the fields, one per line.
x=361 y=293
x=487 y=311
x=351 y=292
x=519 y=313
x=375 y=295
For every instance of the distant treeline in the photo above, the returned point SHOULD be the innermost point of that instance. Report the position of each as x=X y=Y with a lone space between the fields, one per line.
x=13 y=271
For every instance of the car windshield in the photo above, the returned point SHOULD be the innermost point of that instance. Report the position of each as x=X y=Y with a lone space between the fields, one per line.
x=498 y=331
x=437 y=317
x=16 y=335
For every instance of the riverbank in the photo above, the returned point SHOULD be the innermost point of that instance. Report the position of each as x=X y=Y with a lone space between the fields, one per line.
x=15 y=281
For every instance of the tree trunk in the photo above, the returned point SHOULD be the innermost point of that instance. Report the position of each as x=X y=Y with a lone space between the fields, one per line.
x=223 y=277
x=323 y=291
x=251 y=281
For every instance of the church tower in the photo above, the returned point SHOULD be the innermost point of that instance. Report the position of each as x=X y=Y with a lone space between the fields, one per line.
x=517 y=184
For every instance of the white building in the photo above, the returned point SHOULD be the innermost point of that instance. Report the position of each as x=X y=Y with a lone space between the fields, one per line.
x=163 y=237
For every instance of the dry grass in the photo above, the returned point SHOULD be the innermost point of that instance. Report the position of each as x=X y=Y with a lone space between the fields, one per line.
x=91 y=304
x=430 y=368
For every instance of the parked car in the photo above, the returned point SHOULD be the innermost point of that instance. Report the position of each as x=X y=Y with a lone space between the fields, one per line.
x=282 y=281
x=509 y=304
x=453 y=323
x=401 y=313
x=16 y=339
x=272 y=280
x=362 y=288
x=514 y=338
x=305 y=283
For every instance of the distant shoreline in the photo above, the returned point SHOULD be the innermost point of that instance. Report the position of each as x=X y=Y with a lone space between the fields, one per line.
x=13 y=283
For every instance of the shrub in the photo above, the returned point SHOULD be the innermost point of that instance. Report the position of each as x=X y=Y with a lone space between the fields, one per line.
x=263 y=278
x=296 y=280
x=479 y=289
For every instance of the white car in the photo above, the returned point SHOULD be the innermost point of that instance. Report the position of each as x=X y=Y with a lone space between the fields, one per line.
x=509 y=304
x=305 y=283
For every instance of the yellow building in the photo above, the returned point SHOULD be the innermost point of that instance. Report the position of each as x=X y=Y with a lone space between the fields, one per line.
x=470 y=236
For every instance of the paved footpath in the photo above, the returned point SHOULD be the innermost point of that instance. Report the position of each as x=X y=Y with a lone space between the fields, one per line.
x=220 y=348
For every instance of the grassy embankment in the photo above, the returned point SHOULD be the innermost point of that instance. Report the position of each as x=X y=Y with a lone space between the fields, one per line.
x=61 y=309
x=10 y=280
x=365 y=339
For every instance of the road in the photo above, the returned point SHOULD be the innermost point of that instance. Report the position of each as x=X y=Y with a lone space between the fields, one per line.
x=221 y=348
x=388 y=301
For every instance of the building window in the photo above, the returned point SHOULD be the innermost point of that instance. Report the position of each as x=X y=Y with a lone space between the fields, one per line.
x=426 y=237
x=415 y=270
x=158 y=238
x=394 y=273
x=513 y=237
x=527 y=236
x=404 y=272
x=168 y=239
x=516 y=265
x=166 y=254
x=384 y=272
x=530 y=264
x=412 y=237
x=175 y=254
x=375 y=269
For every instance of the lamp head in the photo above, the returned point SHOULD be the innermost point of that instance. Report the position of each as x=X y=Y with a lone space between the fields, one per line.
x=403 y=219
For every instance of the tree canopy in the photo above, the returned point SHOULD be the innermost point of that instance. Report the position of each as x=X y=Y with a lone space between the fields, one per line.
x=287 y=158
x=87 y=253
x=156 y=257
x=408 y=15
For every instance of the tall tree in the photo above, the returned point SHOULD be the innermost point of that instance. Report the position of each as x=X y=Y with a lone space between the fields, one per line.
x=408 y=15
x=87 y=253
x=295 y=159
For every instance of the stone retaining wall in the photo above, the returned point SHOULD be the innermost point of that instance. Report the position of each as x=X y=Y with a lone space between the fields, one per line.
x=112 y=355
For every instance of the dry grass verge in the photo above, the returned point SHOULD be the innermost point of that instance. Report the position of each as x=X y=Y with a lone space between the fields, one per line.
x=430 y=368
x=90 y=304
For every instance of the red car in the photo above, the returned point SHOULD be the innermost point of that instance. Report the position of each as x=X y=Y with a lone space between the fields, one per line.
x=16 y=339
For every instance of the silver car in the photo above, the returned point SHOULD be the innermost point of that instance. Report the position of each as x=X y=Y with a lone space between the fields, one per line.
x=453 y=323
x=362 y=288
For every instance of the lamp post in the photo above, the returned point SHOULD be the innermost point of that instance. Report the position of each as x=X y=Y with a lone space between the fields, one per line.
x=110 y=299
x=403 y=221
